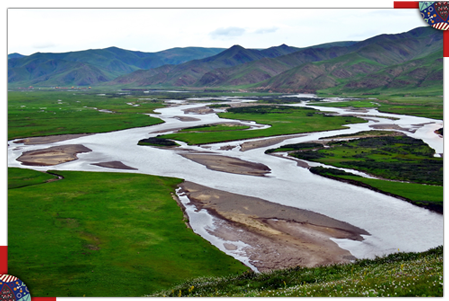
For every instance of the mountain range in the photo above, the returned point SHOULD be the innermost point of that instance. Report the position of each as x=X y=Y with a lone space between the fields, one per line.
x=390 y=61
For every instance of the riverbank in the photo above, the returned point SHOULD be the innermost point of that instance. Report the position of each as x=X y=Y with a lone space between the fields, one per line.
x=278 y=236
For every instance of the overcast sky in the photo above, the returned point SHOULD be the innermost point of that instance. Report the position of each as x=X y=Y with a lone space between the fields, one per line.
x=152 y=30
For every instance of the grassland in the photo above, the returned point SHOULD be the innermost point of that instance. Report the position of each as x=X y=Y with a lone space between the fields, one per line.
x=26 y=177
x=427 y=196
x=396 y=275
x=42 y=113
x=391 y=157
x=215 y=128
x=103 y=234
x=423 y=106
x=283 y=120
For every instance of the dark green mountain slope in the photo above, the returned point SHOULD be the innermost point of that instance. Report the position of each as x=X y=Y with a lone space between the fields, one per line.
x=189 y=73
x=353 y=72
x=14 y=55
x=58 y=72
x=423 y=72
x=110 y=62
x=301 y=70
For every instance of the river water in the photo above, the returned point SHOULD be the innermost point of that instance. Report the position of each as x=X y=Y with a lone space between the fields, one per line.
x=393 y=224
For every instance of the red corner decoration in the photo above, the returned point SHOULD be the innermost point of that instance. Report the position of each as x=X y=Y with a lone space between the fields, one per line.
x=43 y=298
x=405 y=4
x=446 y=43
x=415 y=5
x=3 y=260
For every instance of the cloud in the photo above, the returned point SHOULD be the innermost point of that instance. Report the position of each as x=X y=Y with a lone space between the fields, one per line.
x=40 y=45
x=266 y=30
x=228 y=32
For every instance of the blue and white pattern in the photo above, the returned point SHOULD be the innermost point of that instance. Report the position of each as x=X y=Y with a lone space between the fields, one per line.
x=435 y=13
x=13 y=289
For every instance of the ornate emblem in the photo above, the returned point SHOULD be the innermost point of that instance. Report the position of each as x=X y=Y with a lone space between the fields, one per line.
x=13 y=289
x=435 y=13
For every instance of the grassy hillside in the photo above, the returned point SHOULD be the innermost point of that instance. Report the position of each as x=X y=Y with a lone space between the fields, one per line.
x=103 y=234
x=396 y=275
x=189 y=73
x=61 y=69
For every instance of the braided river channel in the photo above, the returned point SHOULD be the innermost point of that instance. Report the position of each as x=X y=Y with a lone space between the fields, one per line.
x=391 y=224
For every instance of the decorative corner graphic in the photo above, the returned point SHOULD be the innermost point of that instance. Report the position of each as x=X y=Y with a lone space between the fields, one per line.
x=13 y=289
x=435 y=13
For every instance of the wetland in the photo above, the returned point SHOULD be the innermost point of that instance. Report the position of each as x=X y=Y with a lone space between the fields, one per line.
x=255 y=210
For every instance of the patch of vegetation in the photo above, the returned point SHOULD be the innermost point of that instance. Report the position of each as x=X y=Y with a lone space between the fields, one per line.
x=283 y=120
x=439 y=131
x=283 y=100
x=398 y=158
x=18 y=177
x=415 y=105
x=427 y=196
x=154 y=141
x=217 y=106
x=214 y=128
x=395 y=275
x=345 y=104
x=296 y=146
x=104 y=234
x=43 y=113
x=364 y=134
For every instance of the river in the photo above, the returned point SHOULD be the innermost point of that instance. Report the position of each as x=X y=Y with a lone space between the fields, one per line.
x=393 y=224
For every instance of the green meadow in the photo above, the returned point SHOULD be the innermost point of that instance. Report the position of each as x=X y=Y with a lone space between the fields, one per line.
x=423 y=106
x=418 y=194
x=103 y=234
x=283 y=120
x=390 y=157
x=42 y=113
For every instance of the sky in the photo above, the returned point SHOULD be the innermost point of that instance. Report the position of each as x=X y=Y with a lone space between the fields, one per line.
x=151 y=30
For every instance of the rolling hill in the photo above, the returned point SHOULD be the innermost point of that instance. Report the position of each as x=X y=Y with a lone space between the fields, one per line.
x=408 y=60
x=187 y=74
x=98 y=65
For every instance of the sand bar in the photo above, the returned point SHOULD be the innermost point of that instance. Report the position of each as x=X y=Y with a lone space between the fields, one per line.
x=391 y=127
x=228 y=164
x=114 y=164
x=53 y=155
x=265 y=142
x=279 y=236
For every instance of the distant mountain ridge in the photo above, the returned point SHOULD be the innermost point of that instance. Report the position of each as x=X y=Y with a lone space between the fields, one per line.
x=100 y=65
x=14 y=55
x=349 y=65
x=187 y=74
x=407 y=60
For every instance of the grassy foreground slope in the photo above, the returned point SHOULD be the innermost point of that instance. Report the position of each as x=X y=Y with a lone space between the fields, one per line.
x=283 y=120
x=104 y=234
x=396 y=275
